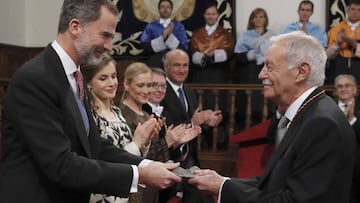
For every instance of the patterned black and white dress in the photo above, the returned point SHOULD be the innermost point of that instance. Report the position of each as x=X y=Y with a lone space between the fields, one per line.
x=119 y=133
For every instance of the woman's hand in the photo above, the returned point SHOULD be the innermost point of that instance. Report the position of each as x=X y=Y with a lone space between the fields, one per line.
x=144 y=132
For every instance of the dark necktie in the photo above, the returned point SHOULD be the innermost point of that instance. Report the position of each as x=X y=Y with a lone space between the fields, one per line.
x=79 y=84
x=182 y=97
x=281 y=129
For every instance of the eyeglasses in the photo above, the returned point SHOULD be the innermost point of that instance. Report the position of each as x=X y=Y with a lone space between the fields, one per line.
x=347 y=85
x=157 y=85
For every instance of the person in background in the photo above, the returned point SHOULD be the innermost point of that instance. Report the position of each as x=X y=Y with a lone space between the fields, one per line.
x=251 y=46
x=305 y=11
x=162 y=35
x=172 y=137
x=211 y=47
x=52 y=150
x=249 y=55
x=315 y=158
x=177 y=143
x=102 y=83
x=137 y=88
x=346 y=94
x=180 y=106
x=344 y=47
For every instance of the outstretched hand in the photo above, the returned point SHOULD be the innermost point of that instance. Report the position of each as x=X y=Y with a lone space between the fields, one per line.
x=158 y=175
x=207 y=181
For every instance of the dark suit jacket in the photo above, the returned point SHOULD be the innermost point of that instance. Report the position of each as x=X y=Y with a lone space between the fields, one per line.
x=176 y=114
x=47 y=155
x=355 y=195
x=158 y=149
x=313 y=163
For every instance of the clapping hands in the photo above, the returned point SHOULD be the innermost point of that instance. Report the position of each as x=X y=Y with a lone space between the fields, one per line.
x=180 y=134
x=146 y=131
x=208 y=117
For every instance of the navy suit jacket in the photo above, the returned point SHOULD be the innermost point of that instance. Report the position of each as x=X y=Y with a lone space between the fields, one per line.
x=47 y=154
x=313 y=163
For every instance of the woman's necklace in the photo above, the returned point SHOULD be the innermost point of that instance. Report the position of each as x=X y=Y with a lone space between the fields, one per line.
x=305 y=104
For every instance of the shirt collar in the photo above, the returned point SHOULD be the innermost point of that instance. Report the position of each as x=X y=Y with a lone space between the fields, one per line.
x=68 y=64
x=174 y=86
x=341 y=105
x=294 y=107
x=211 y=28
x=157 y=109
x=353 y=26
x=152 y=105
x=165 y=22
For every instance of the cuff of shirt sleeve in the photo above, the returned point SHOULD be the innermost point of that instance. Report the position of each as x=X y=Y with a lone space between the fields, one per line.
x=357 y=50
x=145 y=149
x=135 y=180
x=353 y=120
x=220 y=190
x=172 y=42
x=133 y=149
x=219 y=55
x=184 y=150
x=158 y=44
x=198 y=58
x=251 y=55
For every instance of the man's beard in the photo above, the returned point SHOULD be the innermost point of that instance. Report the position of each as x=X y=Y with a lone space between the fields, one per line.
x=86 y=53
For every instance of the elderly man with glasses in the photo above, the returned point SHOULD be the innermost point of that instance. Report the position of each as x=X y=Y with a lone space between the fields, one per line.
x=346 y=95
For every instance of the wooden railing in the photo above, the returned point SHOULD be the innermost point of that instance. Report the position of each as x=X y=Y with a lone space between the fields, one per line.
x=231 y=92
x=225 y=160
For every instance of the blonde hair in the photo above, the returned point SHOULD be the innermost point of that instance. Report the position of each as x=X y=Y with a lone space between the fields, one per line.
x=133 y=70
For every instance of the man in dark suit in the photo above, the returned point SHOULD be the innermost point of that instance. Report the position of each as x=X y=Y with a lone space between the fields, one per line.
x=171 y=138
x=176 y=111
x=52 y=151
x=346 y=93
x=314 y=160
x=175 y=138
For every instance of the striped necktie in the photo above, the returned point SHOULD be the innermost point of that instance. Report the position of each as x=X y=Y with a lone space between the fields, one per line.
x=182 y=97
x=281 y=129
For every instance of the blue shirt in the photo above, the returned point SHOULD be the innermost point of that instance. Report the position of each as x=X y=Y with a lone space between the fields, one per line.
x=312 y=29
x=154 y=29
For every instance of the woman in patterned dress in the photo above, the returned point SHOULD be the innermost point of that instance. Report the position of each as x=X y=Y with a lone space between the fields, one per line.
x=102 y=83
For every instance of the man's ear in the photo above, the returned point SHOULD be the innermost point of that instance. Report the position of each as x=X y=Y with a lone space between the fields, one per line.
x=75 y=27
x=303 y=72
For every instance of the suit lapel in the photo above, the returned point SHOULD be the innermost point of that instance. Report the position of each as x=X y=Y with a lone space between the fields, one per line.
x=190 y=100
x=289 y=136
x=69 y=98
x=80 y=128
x=174 y=101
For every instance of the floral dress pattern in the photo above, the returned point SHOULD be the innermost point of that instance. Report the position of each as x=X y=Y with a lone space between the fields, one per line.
x=118 y=132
